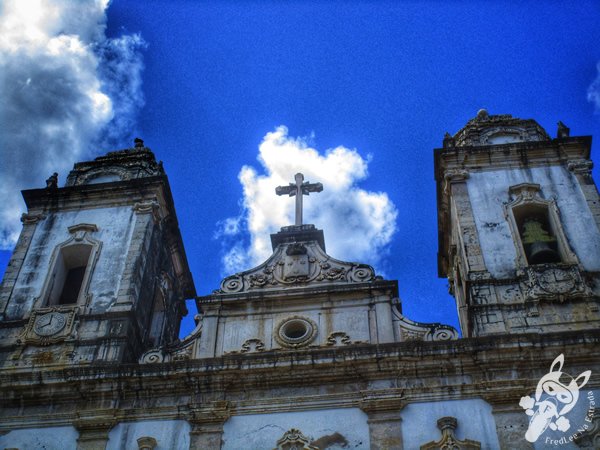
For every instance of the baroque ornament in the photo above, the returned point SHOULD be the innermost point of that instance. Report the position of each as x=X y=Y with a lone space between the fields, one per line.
x=554 y=280
x=295 y=264
x=449 y=441
x=416 y=331
x=293 y=439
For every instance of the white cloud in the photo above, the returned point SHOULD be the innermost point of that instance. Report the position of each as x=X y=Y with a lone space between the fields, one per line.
x=66 y=89
x=593 y=93
x=358 y=224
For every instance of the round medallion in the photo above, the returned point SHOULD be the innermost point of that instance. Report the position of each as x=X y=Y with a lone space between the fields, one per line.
x=295 y=332
x=49 y=324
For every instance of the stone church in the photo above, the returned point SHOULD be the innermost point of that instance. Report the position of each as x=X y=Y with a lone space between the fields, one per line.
x=306 y=351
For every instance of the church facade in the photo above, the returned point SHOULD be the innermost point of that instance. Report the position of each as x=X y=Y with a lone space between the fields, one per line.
x=306 y=351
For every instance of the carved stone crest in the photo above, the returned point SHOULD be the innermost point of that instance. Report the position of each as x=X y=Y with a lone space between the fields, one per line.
x=295 y=263
x=555 y=280
x=293 y=439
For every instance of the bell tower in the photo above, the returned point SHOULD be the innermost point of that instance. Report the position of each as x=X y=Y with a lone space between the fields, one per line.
x=519 y=227
x=99 y=271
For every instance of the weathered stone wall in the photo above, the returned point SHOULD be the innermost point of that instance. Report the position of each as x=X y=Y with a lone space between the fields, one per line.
x=48 y=438
x=475 y=421
x=336 y=428
x=114 y=231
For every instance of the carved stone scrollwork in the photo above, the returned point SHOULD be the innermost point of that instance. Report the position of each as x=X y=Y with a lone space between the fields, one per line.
x=415 y=331
x=295 y=264
x=154 y=356
x=180 y=351
x=252 y=346
x=234 y=283
x=360 y=273
x=293 y=439
x=338 y=338
x=449 y=441
x=558 y=281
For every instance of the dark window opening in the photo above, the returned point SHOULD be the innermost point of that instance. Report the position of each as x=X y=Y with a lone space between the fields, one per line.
x=68 y=274
x=537 y=236
x=72 y=286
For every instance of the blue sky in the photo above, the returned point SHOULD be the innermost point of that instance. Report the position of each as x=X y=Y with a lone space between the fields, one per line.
x=380 y=81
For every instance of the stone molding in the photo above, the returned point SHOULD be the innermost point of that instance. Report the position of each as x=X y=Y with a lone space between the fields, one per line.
x=580 y=166
x=388 y=400
x=216 y=412
x=30 y=219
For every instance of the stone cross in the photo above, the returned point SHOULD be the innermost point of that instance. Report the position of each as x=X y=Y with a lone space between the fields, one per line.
x=299 y=189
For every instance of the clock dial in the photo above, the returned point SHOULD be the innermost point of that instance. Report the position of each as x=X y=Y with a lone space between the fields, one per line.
x=49 y=324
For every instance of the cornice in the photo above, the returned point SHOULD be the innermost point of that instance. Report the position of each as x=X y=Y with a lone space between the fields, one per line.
x=512 y=155
x=301 y=292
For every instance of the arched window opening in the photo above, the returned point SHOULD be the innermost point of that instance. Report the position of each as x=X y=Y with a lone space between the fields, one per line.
x=68 y=274
x=537 y=234
x=158 y=318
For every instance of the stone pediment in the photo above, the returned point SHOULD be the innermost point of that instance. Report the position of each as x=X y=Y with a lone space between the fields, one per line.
x=120 y=165
x=297 y=263
x=487 y=129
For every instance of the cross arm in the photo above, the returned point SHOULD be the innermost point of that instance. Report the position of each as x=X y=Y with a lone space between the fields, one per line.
x=314 y=187
x=286 y=190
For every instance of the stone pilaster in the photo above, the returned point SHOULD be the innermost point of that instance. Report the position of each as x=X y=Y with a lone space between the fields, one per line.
x=383 y=412
x=210 y=319
x=582 y=169
x=456 y=183
x=93 y=430
x=207 y=425
x=510 y=419
x=30 y=222
x=134 y=264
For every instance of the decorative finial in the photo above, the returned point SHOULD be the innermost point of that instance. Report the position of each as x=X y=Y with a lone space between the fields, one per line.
x=482 y=114
x=563 y=130
x=299 y=189
x=139 y=143
x=448 y=140
x=52 y=181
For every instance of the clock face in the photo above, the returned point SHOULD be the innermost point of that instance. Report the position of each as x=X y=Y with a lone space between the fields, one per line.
x=49 y=324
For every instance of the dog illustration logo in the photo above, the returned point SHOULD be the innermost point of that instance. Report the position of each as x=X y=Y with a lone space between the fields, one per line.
x=553 y=400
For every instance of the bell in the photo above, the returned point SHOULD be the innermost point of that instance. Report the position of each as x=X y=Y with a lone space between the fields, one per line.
x=540 y=252
x=537 y=241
